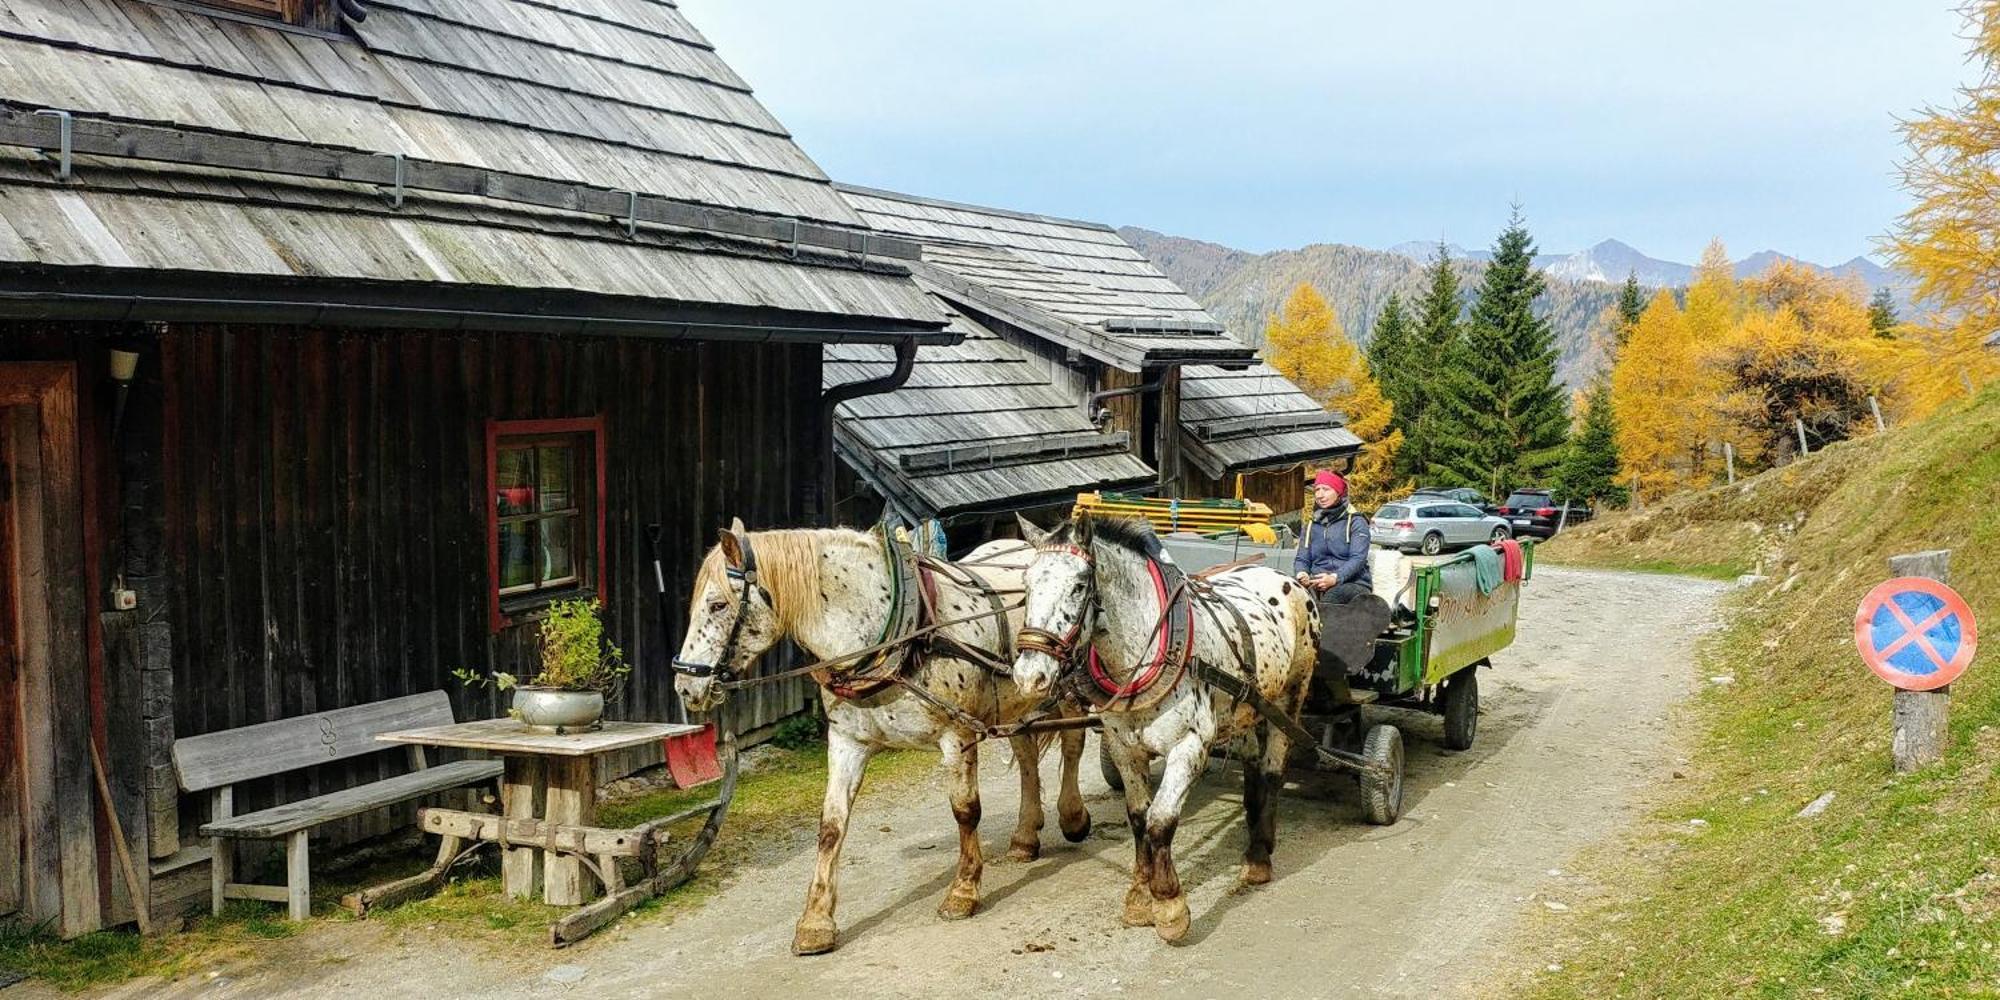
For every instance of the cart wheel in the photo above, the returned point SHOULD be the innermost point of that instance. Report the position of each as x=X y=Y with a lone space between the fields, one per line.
x=1461 y=708
x=1433 y=544
x=1383 y=795
x=1110 y=769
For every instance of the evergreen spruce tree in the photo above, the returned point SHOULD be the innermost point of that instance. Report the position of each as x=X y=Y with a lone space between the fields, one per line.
x=1882 y=316
x=1499 y=417
x=1433 y=344
x=1631 y=305
x=1389 y=358
x=1590 y=463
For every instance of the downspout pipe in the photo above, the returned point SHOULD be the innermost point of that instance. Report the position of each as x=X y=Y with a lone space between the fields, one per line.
x=829 y=401
x=1093 y=405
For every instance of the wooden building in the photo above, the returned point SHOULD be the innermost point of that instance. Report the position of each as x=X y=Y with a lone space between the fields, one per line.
x=1125 y=359
x=332 y=349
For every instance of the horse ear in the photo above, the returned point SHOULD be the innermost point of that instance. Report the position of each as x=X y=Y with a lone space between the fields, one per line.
x=1086 y=529
x=1029 y=533
x=732 y=547
x=736 y=525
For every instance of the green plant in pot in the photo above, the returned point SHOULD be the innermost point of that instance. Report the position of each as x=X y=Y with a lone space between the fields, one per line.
x=580 y=671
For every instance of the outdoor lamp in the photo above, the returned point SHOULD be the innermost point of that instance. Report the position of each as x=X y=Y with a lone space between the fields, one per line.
x=124 y=365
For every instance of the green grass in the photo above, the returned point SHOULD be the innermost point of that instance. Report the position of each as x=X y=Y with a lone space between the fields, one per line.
x=771 y=815
x=1895 y=890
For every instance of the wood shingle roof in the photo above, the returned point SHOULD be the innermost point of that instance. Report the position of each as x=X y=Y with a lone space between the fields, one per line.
x=1077 y=284
x=1244 y=421
x=522 y=102
x=977 y=428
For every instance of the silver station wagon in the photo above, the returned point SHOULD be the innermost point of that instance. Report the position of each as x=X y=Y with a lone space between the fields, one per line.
x=1433 y=524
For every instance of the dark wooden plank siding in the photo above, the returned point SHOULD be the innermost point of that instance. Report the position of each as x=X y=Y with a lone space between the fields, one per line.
x=327 y=503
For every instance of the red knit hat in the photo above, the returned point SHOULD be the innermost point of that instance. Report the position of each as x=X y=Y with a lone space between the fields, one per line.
x=1328 y=477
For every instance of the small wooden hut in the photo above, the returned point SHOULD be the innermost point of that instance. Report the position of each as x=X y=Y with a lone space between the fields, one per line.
x=332 y=350
x=1129 y=354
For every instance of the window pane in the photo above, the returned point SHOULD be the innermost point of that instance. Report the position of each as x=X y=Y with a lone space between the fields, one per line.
x=517 y=560
x=557 y=467
x=514 y=477
x=558 y=548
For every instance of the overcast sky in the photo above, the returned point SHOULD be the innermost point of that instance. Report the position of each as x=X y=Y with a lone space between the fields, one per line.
x=1276 y=124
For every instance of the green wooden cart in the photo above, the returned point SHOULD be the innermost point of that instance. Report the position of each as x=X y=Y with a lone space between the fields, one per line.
x=1423 y=657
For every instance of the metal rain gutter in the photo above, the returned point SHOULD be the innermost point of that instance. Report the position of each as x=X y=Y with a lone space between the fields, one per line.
x=906 y=362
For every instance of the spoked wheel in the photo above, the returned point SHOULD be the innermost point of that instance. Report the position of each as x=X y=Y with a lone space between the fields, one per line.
x=1382 y=793
x=1500 y=534
x=1461 y=708
x=1433 y=544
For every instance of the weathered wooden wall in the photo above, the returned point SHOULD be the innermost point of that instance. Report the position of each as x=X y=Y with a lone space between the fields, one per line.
x=326 y=510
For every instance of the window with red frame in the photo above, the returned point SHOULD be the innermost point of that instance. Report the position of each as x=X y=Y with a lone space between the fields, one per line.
x=545 y=516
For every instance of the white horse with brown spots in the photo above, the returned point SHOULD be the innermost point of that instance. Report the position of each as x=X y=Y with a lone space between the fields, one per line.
x=1102 y=586
x=829 y=591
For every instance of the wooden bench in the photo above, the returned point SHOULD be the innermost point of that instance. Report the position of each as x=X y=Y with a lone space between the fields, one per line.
x=215 y=762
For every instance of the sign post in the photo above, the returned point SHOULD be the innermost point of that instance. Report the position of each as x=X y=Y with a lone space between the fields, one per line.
x=1918 y=634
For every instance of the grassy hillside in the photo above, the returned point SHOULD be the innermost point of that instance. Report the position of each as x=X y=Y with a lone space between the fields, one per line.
x=1894 y=890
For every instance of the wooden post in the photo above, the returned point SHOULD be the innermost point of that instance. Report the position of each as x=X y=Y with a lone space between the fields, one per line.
x=572 y=783
x=1966 y=377
x=520 y=867
x=1729 y=459
x=1801 y=425
x=1921 y=716
x=1875 y=407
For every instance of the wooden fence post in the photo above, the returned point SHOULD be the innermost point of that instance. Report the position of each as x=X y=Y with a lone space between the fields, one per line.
x=1729 y=459
x=1876 y=408
x=1801 y=425
x=1921 y=716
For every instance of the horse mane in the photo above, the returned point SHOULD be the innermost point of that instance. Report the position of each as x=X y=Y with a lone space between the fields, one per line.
x=787 y=568
x=1135 y=534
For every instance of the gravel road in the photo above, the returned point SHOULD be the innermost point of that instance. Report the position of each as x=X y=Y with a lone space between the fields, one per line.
x=1575 y=727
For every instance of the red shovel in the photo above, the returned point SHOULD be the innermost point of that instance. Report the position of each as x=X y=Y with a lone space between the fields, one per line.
x=690 y=756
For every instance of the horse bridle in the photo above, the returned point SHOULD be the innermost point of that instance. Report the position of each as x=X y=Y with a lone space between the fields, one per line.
x=1066 y=649
x=746 y=574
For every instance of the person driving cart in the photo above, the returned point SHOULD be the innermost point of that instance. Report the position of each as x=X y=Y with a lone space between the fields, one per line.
x=1332 y=560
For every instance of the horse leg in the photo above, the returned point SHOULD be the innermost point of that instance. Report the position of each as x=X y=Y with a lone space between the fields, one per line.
x=845 y=760
x=1131 y=762
x=1262 y=779
x=963 y=899
x=1026 y=844
x=1184 y=763
x=1070 y=813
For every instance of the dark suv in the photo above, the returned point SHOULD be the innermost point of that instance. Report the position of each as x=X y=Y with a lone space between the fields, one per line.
x=1469 y=497
x=1540 y=514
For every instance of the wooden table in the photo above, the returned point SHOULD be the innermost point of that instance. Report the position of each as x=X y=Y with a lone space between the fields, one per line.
x=548 y=803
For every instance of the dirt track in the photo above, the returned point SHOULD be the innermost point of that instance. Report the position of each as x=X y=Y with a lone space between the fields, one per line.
x=1575 y=724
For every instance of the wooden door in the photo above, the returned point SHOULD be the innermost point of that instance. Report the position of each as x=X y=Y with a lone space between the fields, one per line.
x=49 y=797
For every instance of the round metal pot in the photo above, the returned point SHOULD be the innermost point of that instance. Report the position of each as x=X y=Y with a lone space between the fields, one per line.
x=558 y=711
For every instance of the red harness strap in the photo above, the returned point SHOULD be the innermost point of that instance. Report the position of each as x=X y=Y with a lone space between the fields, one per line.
x=1145 y=677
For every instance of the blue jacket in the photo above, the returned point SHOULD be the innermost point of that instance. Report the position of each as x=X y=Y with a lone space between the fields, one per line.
x=1331 y=546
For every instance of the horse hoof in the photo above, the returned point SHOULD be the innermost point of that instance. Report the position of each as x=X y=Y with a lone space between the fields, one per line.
x=1256 y=872
x=815 y=938
x=1170 y=918
x=1138 y=908
x=1027 y=850
x=1080 y=832
x=958 y=906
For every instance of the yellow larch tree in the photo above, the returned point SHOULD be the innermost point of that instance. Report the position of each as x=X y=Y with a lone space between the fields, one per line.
x=1714 y=299
x=1306 y=344
x=1665 y=394
x=1949 y=239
